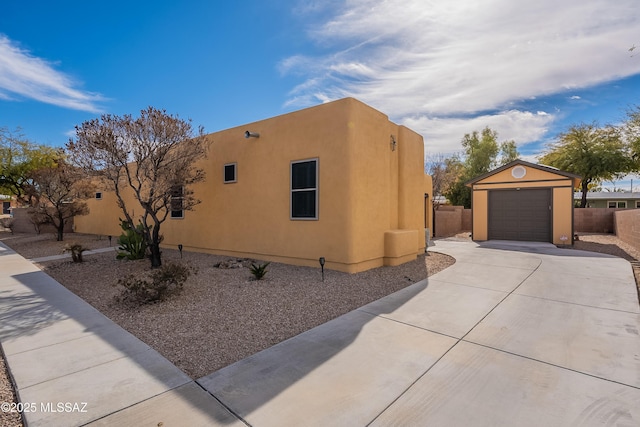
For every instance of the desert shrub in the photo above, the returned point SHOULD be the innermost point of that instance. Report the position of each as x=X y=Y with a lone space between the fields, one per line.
x=76 y=250
x=157 y=285
x=131 y=242
x=259 y=270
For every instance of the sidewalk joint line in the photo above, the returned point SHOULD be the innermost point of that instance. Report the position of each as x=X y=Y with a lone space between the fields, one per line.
x=133 y=404
x=231 y=411
x=578 y=304
x=550 y=364
x=408 y=324
x=451 y=348
x=502 y=300
x=412 y=384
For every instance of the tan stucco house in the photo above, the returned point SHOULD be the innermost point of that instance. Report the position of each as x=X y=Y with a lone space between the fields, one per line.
x=523 y=201
x=338 y=181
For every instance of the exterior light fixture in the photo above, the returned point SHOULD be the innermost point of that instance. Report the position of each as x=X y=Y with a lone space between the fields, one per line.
x=180 y=249
x=249 y=134
x=393 y=143
x=321 y=260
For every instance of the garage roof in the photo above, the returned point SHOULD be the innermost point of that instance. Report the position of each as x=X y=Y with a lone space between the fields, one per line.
x=575 y=178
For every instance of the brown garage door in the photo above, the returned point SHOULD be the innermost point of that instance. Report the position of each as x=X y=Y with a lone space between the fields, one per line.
x=523 y=215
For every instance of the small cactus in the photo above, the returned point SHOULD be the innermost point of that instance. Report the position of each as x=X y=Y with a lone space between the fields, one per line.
x=259 y=270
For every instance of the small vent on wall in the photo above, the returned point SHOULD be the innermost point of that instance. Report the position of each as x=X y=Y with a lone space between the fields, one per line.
x=518 y=172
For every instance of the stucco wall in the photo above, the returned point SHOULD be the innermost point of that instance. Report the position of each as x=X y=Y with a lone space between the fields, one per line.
x=366 y=188
x=480 y=215
x=22 y=223
x=562 y=205
x=627 y=226
x=451 y=220
x=594 y=220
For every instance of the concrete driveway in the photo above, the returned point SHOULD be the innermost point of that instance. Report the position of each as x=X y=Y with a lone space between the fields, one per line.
x=510 y=335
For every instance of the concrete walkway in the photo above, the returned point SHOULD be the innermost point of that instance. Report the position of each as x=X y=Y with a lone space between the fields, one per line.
x=68 y=255
x=74 y=366
x=511 y=334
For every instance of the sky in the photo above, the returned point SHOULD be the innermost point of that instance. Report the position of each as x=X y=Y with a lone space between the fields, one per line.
x=444 y=68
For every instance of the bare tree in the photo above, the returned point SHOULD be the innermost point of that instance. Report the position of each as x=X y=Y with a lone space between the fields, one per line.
x=152 y=157
x=58 y=194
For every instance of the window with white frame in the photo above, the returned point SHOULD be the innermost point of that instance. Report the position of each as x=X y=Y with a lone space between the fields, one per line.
x=304 y=189
x=230 y=173
x=617 y=204
x=177 y=193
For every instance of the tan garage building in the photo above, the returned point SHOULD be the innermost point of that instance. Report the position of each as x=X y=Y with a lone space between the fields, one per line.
x=524 y=201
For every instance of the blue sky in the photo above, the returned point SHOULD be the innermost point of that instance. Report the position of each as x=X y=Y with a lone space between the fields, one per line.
x=442 y=67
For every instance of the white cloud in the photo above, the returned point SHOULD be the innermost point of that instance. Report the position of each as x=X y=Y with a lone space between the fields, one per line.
x=24 y=75
x=431 y=62
x=443 y=134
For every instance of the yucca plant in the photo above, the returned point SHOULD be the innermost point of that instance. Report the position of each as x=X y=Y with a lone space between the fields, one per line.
x=131 y=242
x=259 y=270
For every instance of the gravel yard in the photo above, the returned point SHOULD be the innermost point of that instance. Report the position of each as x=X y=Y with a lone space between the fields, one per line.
x=607 y=244
x=7 y=395
x=222 y=315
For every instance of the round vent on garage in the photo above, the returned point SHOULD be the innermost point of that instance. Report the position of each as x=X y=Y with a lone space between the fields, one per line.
x=518 y=172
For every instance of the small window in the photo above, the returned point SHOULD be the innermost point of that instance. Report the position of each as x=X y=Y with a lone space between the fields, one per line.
x=98 y=195
x=620 y=204
x=304 y=189
x=177 y=210
x=230 y=173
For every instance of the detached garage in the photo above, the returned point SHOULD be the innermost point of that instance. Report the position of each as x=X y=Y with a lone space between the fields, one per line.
x=525 y=202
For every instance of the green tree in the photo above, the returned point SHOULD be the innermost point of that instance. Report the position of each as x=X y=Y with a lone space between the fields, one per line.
x=152 y=157
x=509 y=152
x=19 y=158
x=631 y=132
x=595 y=153
x=481 y=150
x=481 y=156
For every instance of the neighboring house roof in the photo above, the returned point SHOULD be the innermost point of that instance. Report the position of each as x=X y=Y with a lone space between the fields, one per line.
x=608 y=195
x=550 y=169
